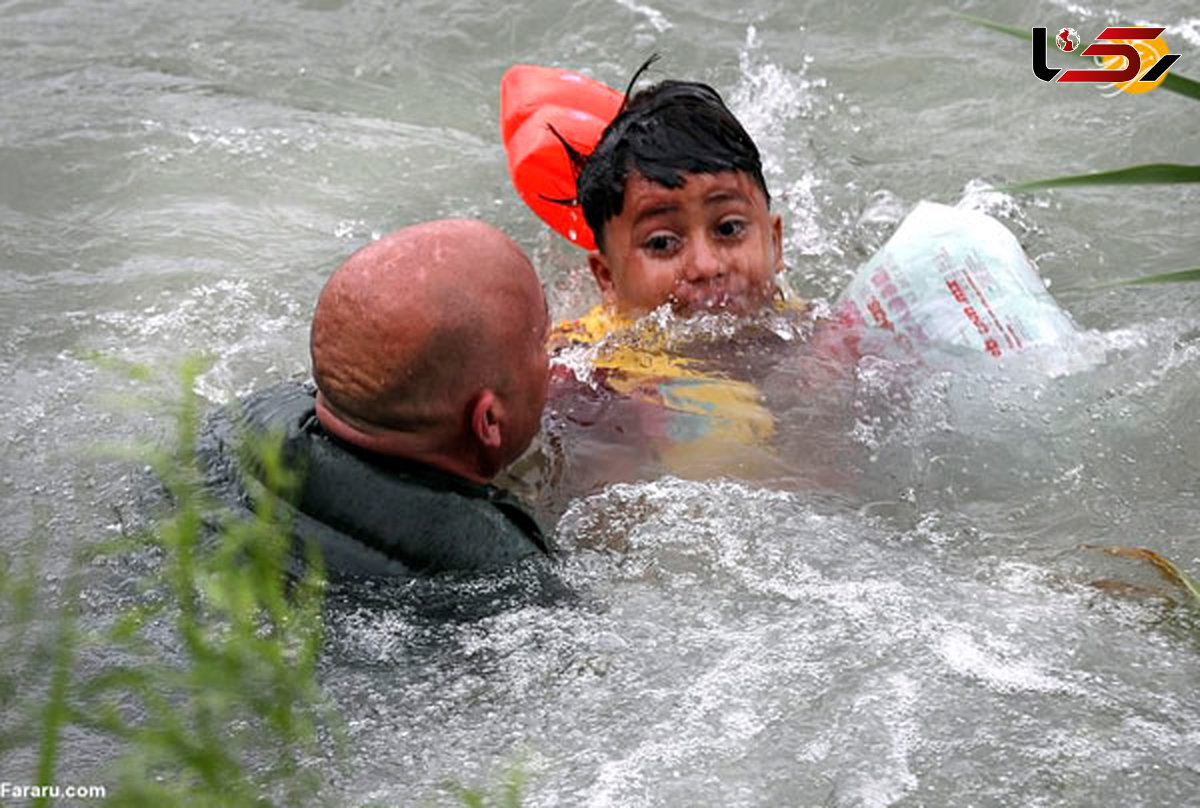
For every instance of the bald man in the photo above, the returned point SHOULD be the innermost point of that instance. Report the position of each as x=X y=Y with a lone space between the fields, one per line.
x=430 y=344
x=430 y=370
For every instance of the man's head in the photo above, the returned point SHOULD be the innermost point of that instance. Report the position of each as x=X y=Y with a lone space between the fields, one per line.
x=675 y=196
x=429 y=344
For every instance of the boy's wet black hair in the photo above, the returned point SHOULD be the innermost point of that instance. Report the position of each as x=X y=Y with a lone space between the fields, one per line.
x=663 y=132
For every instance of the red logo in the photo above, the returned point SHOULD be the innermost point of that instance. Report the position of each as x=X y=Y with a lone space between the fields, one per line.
x=1135 y=59
x=1067 y=40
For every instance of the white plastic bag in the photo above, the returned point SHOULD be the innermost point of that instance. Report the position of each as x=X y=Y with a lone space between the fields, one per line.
x=950 y=277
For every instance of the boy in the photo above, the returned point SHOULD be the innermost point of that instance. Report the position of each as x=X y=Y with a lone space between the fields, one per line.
x=675 y=197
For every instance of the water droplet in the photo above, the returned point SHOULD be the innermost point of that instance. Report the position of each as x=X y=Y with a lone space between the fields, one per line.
x=571 y=234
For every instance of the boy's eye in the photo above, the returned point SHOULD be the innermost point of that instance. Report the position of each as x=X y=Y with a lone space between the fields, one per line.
x=660 y=243
x=731 y=228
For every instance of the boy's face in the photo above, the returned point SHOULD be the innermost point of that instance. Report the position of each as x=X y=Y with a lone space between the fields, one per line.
x=710 y=244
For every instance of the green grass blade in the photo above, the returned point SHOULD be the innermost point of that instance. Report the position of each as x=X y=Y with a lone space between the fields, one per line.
x=1173 y=82
x=1190 y=584
x=1182 y=85
x=1148 y=174
x=57 y=711
x=1181 y=276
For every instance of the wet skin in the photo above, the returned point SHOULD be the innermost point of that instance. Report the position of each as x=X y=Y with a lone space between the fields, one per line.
x=711 y=244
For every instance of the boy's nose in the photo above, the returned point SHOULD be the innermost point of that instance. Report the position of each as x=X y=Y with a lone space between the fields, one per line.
x=704 y=262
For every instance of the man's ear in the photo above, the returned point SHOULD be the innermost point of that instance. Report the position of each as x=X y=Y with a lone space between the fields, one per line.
x=777 y=240
x=602 y=272
x=487 y=415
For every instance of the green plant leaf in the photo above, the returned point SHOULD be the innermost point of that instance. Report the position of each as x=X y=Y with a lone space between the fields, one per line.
x=1181 y=276
x=1148 y=174
x=131 y=370
x=1173 y=82
x=56 y=712
x=1182 y=85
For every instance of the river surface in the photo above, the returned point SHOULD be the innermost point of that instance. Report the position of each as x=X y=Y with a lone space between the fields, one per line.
x=180 y=178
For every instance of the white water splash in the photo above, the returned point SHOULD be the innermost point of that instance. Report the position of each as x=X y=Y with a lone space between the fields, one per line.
x=1000 y=668
x=766 y=100
x=883 y=208
x=981 y=195
x=1188 y=30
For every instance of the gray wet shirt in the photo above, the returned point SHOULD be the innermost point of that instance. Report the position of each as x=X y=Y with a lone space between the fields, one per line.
x=370 y=514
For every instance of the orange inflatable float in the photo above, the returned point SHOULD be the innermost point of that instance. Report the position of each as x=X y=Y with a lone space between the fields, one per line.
x=532 y=100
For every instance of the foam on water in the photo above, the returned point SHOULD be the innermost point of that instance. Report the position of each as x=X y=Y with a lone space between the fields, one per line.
x=740 y=626
x=655 y=18
x=883 y=208
x=999 y=667
x=231 y=312
x=1188 y=30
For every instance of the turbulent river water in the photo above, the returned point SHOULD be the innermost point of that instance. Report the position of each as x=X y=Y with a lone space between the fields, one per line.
x=180 y=178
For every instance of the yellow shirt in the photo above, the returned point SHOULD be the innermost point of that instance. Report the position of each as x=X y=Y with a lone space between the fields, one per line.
x=710 y=419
